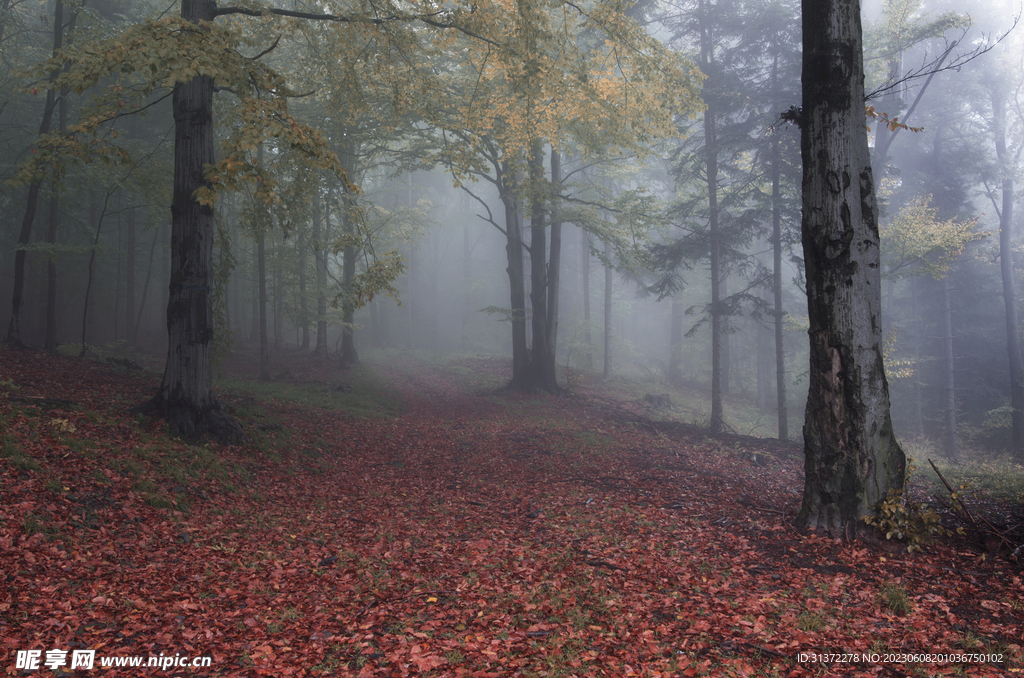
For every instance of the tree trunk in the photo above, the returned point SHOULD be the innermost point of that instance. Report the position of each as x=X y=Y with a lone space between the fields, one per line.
x=852 y=458
x=1016 y=373
x=952 y=447
x=675 y=341
x=607 y=311
x=320 y=254
x=145 y=289
x=129 y=295
x=303 y=305
x=261 y=274
x=51 y=270
x=185 y=396
x=717 y=423
x=521 y=377
x=554 y=268
x=32 y=199
x=542 y=359
x=588 y=356
x=780 y=312
x=348 y=341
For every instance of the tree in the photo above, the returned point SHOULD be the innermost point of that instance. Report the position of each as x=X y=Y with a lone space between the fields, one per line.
x=558 y=77
x=190 y=57
x=852 y=458
x=60 y=30
x=1008 y=160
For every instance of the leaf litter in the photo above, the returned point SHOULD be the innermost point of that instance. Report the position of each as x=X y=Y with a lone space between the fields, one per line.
x=473 y=534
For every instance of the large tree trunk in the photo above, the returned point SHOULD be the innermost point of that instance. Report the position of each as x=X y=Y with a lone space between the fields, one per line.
x=852 y=458
x=1006 y=269
x=185 y=396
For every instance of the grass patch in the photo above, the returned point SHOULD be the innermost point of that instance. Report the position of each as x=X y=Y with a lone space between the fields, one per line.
x=995 y=476
x=895 y=598
x=11 y=450
x=361 y=393
x=810 y=622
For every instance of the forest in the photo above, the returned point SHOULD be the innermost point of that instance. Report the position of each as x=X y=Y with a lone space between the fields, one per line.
x=494 y=337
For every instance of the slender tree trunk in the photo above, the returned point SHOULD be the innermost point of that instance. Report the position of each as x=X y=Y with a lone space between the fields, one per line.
x=852 y=458
x=675 y=341
x=96 y=220
x=129 y=287
x=514 y=244
x=32 y=199
x=303 y=304
x=918 y=352
x=51 y=270
x=278 y=296
x=952 y=447
x=145 y=289
x=780 y=312
x=717 y=423
x=320 y=254
x=348 y=341
x=554 y=270
x=467 y=287
x=1016 y=373
x=607 y=311
x=542 y=357
x=261 y=272
x=588 y=356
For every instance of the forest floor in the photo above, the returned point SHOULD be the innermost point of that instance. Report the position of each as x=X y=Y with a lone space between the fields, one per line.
x=402 y=518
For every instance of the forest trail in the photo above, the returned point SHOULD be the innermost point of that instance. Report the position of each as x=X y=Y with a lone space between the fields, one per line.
x=474 y=533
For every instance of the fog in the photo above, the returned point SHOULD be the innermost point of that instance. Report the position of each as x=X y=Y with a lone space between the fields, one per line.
x=411 y=250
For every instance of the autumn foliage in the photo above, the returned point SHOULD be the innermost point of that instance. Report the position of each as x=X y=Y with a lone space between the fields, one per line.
x=457 y=532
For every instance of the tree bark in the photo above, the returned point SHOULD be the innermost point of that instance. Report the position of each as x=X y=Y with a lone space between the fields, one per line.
x=185 y=396
x=852 y=458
